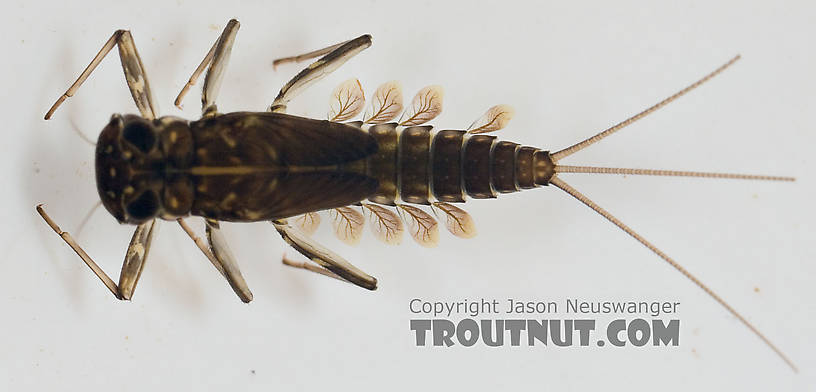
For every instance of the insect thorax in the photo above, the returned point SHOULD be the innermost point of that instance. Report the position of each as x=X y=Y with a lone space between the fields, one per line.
x=141 y=168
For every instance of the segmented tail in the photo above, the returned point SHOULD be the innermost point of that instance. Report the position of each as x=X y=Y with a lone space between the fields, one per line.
x=558 y=182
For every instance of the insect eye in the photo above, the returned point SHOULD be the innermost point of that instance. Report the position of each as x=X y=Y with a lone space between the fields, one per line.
x=139 y=135
x=143 y=207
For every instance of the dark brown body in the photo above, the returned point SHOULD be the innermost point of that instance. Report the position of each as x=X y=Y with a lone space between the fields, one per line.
x=248 y=166
x=265 y=166
x=417 y=166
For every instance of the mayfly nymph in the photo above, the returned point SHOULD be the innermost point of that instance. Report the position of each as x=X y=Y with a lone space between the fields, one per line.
x=276 y=167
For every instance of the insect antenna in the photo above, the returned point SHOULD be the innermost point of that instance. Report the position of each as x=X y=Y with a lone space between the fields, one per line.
x=87 y=218
x=81 y=135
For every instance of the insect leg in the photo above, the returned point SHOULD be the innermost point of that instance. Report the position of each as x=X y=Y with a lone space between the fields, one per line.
x=220 y=256
x=311 y=267
x=337 y=56
x=217 y=59
x=323 y=256
x=134 y=74
x=106 y=280
x=219 y=247
x=202 y=246
x=135 y=258
x=306 y=56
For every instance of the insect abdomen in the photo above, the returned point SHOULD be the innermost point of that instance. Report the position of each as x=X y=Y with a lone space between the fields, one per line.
x=491 y=166
x=417 y=166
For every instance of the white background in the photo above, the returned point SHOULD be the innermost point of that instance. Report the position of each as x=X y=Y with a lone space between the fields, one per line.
x=569 y=70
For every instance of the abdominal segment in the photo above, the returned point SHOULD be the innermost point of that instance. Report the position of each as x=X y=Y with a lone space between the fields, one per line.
x=416 y=165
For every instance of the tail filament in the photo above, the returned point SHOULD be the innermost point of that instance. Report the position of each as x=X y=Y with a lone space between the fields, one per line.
x=665 y=173
x=594 y=139
x=555 y=180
